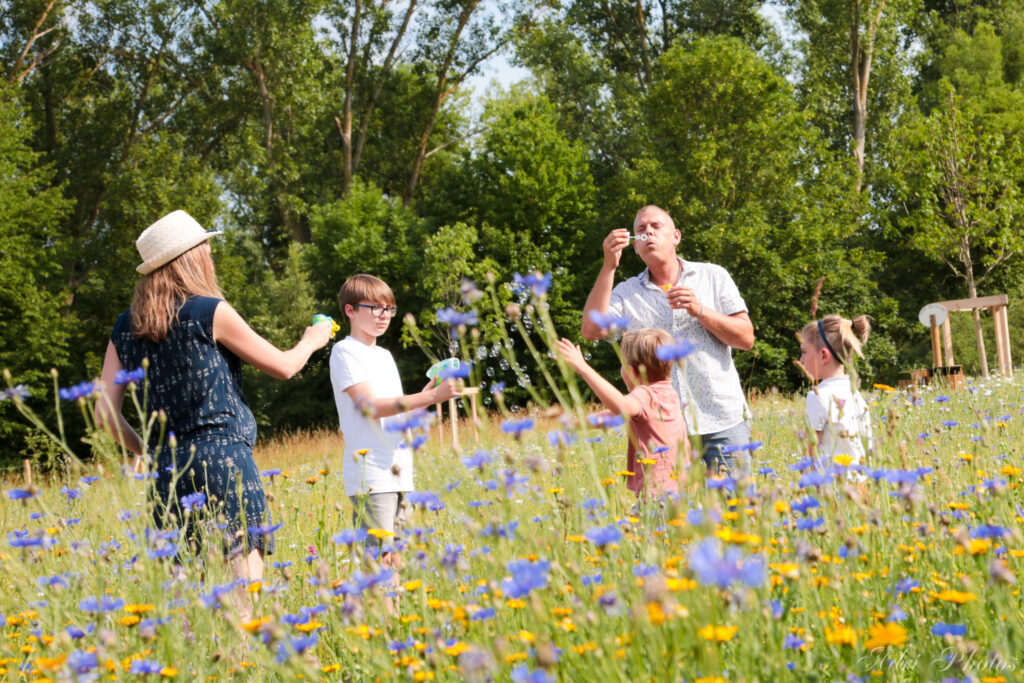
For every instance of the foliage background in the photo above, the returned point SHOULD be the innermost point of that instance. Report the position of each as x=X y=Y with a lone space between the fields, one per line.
x=335 y=138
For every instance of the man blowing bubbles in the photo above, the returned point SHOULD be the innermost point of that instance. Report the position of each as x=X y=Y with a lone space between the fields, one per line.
x=690 y=300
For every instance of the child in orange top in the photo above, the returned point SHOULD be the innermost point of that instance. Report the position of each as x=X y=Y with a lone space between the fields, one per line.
x=657 y=430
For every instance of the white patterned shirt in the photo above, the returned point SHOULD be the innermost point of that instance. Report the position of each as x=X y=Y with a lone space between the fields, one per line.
x=711 y=385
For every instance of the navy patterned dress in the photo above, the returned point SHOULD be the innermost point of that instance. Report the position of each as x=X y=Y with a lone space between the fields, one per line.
x=198 y=384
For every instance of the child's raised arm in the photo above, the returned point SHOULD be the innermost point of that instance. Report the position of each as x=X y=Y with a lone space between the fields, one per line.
x=612 y=398
x=362 y=395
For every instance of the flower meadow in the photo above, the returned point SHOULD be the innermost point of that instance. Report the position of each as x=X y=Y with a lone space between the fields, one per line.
x=526 y=559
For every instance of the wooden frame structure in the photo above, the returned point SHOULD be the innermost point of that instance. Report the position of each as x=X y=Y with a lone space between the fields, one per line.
x=997 y=304
x=469 y=394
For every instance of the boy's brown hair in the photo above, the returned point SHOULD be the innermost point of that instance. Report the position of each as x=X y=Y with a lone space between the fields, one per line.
x=639 y=351
x=363 y=287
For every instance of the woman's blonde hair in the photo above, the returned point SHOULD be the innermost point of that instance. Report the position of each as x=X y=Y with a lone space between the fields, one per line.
x=841 y=335
x=160 y=294
x=639 y=350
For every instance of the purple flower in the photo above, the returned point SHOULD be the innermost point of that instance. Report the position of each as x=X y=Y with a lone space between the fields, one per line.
x=129 y=376
x=78 y=391
x=20 y=391
x=715 y=567
x=522 y=674
x=606 y=421
x=535 y=281
x=526 y=576
x=146 y=666
x=478 y=460
x=517 y=427
x=193 y=501
x=428 y=499
x=677 y=351
x=606 y=321
x=456 y=320
x=791 y=642
x=943 y=629
x=602 y=536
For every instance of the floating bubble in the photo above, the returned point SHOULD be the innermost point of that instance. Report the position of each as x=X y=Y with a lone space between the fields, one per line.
x=453 y=348
x=495 y=350
x=460 y=404
x=504 y=364
x=481 y=352
x=514 y=409
x=487 y=400
x=586 y=356
x=547 y=228
x=490 y=371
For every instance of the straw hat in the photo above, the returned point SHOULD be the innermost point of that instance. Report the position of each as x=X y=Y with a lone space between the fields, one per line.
x=169 y=238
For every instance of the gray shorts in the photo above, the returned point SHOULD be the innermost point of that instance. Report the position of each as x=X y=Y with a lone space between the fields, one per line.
x=387 y=511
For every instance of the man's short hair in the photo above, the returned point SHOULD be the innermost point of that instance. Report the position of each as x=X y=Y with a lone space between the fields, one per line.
x=363 y=287
x=655 y=207
x=639 y=350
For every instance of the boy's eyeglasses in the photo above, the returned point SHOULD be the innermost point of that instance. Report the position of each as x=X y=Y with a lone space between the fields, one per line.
x=379 y=310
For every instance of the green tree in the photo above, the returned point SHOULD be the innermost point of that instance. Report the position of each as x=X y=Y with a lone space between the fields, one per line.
x=33 y=333
x=736 y=163
x=964 y=181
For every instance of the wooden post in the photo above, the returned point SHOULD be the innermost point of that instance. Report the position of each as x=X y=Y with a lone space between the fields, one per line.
x=1006 y=342
x=453 y=415
x=440 y=423
x=947 y=341
x=936 y=351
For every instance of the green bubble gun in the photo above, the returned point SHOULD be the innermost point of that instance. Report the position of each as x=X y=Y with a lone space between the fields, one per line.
x=434 y=372
x=321 y=318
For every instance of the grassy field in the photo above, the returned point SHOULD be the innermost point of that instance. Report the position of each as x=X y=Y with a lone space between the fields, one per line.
x=529 y=564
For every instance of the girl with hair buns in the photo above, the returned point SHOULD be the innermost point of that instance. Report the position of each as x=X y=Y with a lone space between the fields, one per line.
x=192 y=345
x=835 y=411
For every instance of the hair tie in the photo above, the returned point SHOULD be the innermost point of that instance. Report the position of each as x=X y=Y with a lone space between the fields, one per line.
x=821 y=333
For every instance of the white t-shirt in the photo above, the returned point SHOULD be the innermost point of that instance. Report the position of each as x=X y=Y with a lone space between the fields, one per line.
x=387 y=467
x=843 y=417
x=711 y=387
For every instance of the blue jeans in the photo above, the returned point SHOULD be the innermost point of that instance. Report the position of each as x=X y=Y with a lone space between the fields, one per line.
x=737 y=464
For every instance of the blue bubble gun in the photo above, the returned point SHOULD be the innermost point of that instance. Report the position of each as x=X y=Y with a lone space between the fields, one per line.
x=321 y=318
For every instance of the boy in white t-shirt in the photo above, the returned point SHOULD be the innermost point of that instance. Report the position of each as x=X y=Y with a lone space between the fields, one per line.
x=368 y=393
x=835 y=411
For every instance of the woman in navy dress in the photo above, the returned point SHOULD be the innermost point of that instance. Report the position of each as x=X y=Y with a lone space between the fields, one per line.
x=194 y=343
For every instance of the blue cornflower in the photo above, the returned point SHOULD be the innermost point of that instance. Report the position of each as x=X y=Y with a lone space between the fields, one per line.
x=89 y=480
x=128 y=376
x=271 y=473
x=715 y=567
x=486 y=613
x=949 y=423
x=526 y=576
x=816 y=479
x=193 y=501
x=296 y=646
x=517 y=427
x=676 y=351
x=162 y=551
x=534 y=281
x=607 y=321
x=591 y=579
x=644 y=570
x=72 y=494
x=897 y=614
x=265 y=529
x=905 y=586
x=802 y=506
x=82 y=661
x=146 y=666
x=791 y=642
x=942 y=399
x=501 y=530
x=21 y=494
x=559 y=437
x=944 y=629
x=809 y=523
x=522 y=674
x=20 y=391
x=456 y=320
x=606 y=421
x=989 y=531
x=727 y=483
x=602 y=536
x=416 y=419
x=497 y=387
x=78 y=391
x=478 y=459
x=732 y=448
x=428 y=499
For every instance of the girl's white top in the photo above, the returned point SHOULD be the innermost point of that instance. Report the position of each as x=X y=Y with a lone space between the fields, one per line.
x=834 y=408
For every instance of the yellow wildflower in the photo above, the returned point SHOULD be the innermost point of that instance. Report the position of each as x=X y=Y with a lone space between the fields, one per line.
x=956 y=596
x=881 y=635
x=721 y=634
